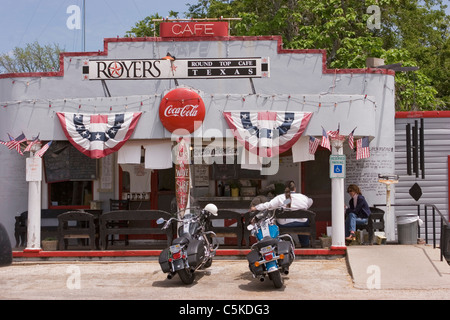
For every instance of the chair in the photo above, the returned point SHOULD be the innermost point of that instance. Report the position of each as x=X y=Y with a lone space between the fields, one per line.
x=375 y=222
x=82 y=227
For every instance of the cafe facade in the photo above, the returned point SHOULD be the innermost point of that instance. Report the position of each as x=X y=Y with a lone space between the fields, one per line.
x=242 y=112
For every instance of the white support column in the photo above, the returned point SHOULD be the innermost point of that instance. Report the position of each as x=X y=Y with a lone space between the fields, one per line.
x=337 y=202
x=34 y=178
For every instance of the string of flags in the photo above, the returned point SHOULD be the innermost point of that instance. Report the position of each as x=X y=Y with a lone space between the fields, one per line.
x=362 y=144
x=22 y=145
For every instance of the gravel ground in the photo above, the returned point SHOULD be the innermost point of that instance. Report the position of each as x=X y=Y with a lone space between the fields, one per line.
x=225 y=279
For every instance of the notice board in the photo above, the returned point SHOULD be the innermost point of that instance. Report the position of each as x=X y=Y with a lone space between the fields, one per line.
x=62 y=162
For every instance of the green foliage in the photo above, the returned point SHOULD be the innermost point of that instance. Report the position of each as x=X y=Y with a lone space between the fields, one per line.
x=413 y=32
x=32 y=58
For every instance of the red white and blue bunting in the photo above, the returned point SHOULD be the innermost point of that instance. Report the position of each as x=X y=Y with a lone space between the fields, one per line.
x=267 y=133
x=98 y=135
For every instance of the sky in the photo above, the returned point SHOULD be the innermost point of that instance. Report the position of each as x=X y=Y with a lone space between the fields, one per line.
x=48 y=21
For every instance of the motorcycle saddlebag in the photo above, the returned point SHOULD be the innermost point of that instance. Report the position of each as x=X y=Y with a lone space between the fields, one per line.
x=164 y=260
x=284 y=247
x=252 y=257
x=196 y=252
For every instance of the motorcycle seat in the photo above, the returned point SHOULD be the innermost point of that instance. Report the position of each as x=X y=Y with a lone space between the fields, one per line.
x=267 y=241
x=181 y=240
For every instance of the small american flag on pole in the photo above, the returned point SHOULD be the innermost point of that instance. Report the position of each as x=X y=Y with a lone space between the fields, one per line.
x=15 y=143
x=351 y=140
x=313 y=144
x=325 y=140
x=362 y=148
x=41 y=152
x=30 y=144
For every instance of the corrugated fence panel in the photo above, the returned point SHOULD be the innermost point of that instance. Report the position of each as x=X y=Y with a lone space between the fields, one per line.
x=435 y=185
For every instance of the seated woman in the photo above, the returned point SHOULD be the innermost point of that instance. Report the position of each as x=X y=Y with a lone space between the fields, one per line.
x=357 y=213
x=298 y=201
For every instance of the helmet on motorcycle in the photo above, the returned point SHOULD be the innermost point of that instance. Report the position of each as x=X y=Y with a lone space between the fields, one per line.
x=211 y=208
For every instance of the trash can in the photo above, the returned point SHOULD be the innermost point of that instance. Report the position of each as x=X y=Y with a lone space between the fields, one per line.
x=407 y=229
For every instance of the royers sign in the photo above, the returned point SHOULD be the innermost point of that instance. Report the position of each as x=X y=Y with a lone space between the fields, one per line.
x=193 y=29
x=142 y=69
x=182 y=108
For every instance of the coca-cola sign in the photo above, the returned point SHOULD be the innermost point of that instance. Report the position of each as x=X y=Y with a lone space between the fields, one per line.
x=182 y=108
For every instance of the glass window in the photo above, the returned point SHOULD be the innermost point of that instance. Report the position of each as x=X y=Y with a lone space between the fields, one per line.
x=70 y=193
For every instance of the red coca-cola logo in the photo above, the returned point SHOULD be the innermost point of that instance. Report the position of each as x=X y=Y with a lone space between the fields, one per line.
x=182 y=108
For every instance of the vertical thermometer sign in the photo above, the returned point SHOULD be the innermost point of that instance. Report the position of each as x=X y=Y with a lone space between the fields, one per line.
x=182 y=108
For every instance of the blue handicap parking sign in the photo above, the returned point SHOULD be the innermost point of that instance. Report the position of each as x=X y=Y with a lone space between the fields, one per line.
x=337 y=168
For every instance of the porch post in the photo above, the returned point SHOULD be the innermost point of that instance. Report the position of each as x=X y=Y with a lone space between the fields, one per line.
x=34 y=178
x=337 y=201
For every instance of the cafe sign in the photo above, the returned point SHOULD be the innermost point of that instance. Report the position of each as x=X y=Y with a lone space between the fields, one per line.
x=193 y=29
x=146 y=69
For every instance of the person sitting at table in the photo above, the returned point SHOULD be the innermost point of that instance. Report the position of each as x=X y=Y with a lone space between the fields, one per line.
x=298 y=201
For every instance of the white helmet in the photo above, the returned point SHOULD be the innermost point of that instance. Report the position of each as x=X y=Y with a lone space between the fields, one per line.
x=211 y=208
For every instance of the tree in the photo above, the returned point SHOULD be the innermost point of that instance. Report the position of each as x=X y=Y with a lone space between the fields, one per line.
x=32 y=58
x=414 y=34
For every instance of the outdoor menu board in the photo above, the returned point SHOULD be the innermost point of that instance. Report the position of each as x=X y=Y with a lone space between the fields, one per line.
x=62 y=162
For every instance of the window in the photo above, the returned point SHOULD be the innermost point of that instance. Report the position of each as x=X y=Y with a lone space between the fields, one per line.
x=74 y=194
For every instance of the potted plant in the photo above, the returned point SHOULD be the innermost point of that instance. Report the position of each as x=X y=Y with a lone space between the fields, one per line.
x=49 y=244
x=235 y=188
x=325 y=241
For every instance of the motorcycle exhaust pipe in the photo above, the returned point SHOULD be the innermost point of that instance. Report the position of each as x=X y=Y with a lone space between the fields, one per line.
x=286 y=271
x=261 y=278
x=170 y=275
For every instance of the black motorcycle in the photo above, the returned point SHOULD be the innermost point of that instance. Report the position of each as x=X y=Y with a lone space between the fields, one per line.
x=193 y=249
x=273 y=253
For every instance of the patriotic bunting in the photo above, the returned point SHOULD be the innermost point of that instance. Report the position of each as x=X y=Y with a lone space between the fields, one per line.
x=267 y=133
x=98 y=135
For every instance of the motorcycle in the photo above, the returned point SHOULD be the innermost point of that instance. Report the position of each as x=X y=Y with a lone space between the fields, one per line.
x=193 y=249
x=273 y=253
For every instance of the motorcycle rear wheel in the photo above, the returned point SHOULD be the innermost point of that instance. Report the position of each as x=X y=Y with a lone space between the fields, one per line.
x=187 y=276
x=276 y=278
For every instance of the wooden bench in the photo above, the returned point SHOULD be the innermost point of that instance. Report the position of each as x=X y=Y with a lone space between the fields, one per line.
x=300 y=214
x=132 y=222
x=20 y=226
x=82 y=227
x=228 y=231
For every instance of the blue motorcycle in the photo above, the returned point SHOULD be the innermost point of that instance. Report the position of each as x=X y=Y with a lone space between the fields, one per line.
x=273 y=253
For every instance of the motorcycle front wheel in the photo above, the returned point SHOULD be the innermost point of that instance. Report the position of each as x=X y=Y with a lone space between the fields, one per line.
x=187 y=276
x=276 y=278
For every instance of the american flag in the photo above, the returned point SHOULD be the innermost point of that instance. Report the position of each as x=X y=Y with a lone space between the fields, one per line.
x=325 y=140
x=362 y=148
x=351 y=143
x=15 y=143
x=30 y=144
x=41 y=152
x=333 y=134
x=313 y=144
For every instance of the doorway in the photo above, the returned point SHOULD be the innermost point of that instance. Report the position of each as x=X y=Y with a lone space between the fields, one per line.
x=316 y=184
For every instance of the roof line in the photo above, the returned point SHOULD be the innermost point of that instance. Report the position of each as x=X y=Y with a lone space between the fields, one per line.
x=280 y=50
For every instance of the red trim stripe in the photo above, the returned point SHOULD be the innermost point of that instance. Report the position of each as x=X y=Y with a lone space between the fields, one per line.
x=280 y=50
